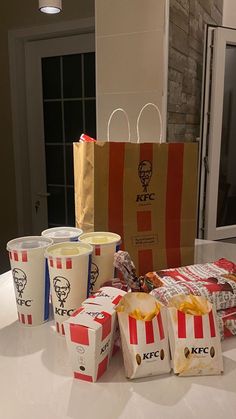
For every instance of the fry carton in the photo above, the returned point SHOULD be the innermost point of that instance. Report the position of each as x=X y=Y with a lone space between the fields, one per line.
x=108 y=296
x=89 y=336
x=144 y=336
x=194 y=337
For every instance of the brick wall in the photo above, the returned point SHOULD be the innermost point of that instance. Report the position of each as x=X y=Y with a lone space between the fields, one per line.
x=186 y=43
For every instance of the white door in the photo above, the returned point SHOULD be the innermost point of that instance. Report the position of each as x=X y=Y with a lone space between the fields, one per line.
x=61 y=104
x=217 y=213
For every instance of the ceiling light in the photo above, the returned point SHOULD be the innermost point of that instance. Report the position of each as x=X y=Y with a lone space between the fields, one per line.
x=50 y=6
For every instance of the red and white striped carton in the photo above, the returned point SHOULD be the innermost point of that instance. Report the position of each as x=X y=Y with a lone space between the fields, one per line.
x=89 y=334
x=111 y=294
x=144 y=344
x=194 y=340
x=86 y=139
x=108 y=296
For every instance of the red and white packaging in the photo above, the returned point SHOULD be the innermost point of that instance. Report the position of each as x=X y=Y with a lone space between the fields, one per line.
x=144 y=343
x=89 y=335
x=86 y=139
x=194 y=340
x=108 y=296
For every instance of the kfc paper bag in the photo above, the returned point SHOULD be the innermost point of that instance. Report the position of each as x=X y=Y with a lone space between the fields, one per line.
x=144 y=342
x=146 y=193
x=194 y=339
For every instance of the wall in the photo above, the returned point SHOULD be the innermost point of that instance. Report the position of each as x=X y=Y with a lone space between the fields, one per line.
x=229 y=13
x=131 y=67
x=186 y=32
x=20 y=14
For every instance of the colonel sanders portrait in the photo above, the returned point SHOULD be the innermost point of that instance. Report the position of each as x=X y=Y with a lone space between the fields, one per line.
x=62 y=289
x=20 y=280
x=93 y=275
x=145 y=173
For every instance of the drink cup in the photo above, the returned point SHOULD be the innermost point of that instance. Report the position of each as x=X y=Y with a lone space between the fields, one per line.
x=30 y=277
x=62 y=234
x=69 y=271
x=104 y=244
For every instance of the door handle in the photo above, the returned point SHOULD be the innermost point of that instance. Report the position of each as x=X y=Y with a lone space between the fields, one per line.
x=43 y=194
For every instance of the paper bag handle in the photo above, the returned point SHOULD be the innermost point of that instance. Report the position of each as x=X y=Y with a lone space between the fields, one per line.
x=139 y=116
x=109 y=122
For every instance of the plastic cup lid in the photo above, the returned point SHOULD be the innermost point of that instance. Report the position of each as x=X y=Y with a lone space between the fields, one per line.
x=100 y=238
x=59 y=232
x=69 y=249
x=29 y=243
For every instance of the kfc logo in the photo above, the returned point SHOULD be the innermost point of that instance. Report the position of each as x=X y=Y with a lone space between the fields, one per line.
x=145 y=173
x=20 y=280
x=93 y=275
x=62 y=289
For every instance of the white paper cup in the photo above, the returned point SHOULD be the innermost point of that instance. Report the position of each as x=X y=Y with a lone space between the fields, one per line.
x=30 y=276
x=69 y=266
x=62 y=234
x=104 y=244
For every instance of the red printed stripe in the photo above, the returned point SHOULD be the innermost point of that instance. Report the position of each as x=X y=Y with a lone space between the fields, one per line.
x=77 y=311
x=83 y=377
x=115 y=189
x=24 y=256
x=160 y=326
x=212 y=324
x=22 y=318
x=15 y=256
x=59 y=264
x=51 y=261
x=133 y=331
x=58 y=328
x=149 y=332
x=62 y=329
x=181 y=325
x=79 y=334
x=173 y=203
x=146 y=152
x=144 y=221
x=97 y=250
x=68 y=263
x=29 y=319
x=116 y=299
x=145 y=261
x=105 y=323
x=102 y=367
x=198 y=327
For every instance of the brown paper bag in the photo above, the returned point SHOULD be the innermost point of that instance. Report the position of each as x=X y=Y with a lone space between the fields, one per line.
x=145 y=192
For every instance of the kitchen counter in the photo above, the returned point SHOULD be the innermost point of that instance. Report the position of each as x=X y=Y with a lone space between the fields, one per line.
x=36 y=380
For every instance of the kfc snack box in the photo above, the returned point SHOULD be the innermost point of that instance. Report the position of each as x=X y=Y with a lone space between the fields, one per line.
x=111 y=297
x=89 y=335
x=144 y=336
x=194 y=337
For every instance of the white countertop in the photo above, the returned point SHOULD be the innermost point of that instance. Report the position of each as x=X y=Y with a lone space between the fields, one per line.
x=36 y=380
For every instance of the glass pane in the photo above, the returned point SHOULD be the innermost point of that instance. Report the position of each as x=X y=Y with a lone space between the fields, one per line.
x=73 y=115
x=69 y=165
x=51 y=74
x=72 y=76
x=52 y=122
x=56 y=205
x=71 y=206
x=54 y=164
x=89 y=75
x=90 y=118
x=226 y=209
